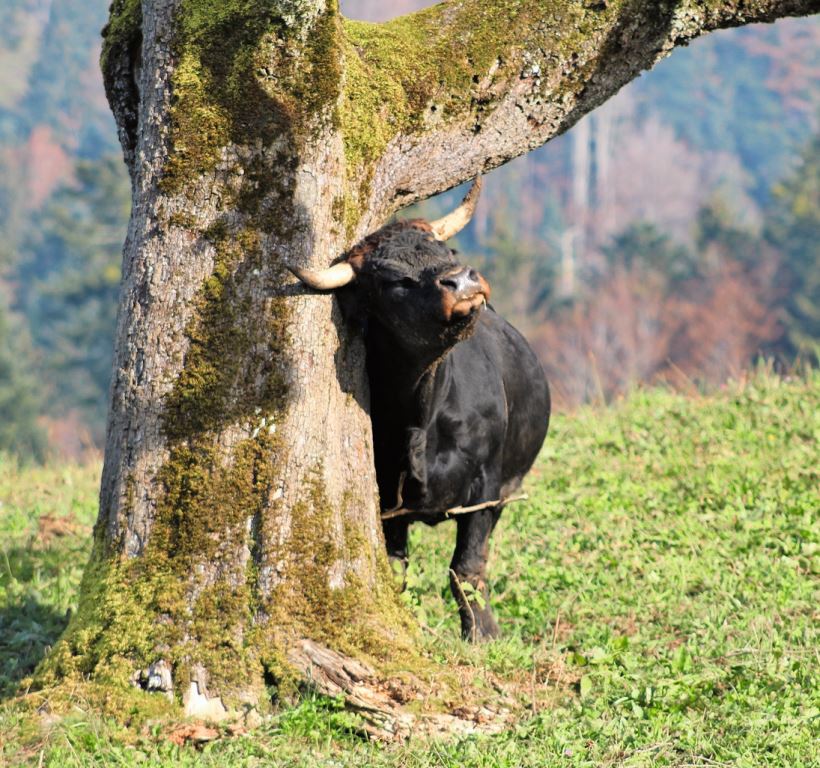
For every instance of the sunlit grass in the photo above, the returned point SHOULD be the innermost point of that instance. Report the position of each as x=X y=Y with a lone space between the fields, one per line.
x=661 y=579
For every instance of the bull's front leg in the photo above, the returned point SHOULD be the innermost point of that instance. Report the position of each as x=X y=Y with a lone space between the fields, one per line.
x=395 y=537
x=468 y=574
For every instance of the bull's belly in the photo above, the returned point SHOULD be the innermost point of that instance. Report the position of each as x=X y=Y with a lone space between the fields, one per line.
x=428 y=518
x=448 y=494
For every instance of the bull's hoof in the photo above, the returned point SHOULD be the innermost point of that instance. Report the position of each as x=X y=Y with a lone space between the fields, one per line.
x=473 y=598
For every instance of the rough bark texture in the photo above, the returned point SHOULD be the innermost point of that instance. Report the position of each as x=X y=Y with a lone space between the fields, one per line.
x=238 y=510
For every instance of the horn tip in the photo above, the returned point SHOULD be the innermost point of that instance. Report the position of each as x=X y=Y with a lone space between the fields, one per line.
x=328 y=279
x=471 y=198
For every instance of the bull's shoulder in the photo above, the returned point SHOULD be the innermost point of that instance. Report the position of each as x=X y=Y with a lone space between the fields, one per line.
x=502 y=343
x=514 y=368
x=496 y=362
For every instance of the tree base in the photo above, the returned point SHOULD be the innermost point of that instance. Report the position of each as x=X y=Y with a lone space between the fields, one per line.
x=436 y=701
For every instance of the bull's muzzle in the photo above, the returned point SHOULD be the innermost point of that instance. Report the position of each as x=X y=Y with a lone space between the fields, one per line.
x=463 y=291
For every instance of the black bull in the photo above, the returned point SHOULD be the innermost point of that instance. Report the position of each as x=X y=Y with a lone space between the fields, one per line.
x=459 y=402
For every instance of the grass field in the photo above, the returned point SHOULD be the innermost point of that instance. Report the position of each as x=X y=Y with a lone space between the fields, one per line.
x=661 y=584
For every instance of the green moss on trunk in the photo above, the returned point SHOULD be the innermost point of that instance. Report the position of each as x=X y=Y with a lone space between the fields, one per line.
x=121 y=32
x=247 y=75
x=121 y=50
x=234 y=367
x=320 y=594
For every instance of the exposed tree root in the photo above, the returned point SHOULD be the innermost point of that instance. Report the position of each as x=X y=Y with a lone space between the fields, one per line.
x=382 y=704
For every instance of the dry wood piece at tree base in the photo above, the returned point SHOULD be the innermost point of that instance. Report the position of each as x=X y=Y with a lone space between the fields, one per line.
x=333 y=674
x=193 y=733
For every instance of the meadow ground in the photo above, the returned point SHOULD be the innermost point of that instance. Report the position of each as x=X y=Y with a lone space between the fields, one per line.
x=660 y=585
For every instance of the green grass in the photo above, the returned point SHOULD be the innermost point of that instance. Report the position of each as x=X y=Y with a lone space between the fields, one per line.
x=658 y=593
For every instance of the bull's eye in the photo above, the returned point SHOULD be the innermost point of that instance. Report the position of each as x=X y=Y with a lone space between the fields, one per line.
x=404 y=282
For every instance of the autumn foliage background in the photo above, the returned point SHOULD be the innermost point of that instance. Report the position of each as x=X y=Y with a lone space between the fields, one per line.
x=671 y=235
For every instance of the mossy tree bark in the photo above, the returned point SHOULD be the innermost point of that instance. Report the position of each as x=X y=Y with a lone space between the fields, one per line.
x=238 y=509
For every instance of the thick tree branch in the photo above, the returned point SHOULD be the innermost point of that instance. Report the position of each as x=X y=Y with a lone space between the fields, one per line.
x=436 y=97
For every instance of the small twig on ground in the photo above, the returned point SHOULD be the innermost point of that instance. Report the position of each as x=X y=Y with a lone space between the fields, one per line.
x=533 y=697
x=552 y=646
x=432 y=632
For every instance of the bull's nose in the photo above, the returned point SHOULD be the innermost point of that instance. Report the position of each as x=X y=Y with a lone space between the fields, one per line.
x=462 y=282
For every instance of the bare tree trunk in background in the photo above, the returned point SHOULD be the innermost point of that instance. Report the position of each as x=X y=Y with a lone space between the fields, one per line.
x=604 y=149
x=238 y=536
x=577 y=235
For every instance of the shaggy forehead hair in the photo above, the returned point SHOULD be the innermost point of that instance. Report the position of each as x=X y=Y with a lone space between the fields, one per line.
x=407 y=247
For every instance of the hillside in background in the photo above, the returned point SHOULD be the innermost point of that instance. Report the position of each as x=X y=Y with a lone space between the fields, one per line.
x=52 y=105
x=671 y=234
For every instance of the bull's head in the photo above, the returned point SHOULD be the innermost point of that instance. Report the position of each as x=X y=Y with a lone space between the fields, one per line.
x=411 y=281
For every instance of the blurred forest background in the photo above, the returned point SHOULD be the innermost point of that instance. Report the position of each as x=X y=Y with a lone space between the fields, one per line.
x=674 y=234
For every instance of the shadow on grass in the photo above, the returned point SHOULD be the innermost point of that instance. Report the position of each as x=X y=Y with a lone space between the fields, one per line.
x=36 y=585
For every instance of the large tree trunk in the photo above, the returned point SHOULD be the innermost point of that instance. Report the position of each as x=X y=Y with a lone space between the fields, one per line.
x=238 y=509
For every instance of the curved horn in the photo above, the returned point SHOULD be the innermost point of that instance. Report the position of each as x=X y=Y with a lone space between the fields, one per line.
x=326 y=279
x=449 y=225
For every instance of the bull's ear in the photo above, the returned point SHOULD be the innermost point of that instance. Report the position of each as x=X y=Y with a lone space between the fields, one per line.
x=451 y=224
x=329 y=279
